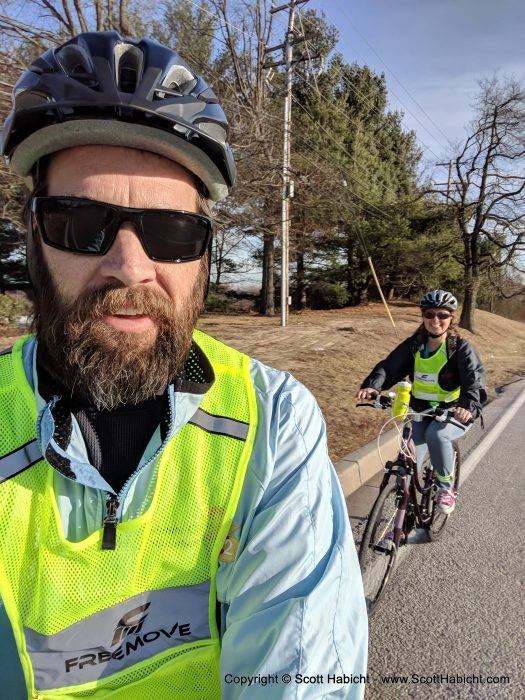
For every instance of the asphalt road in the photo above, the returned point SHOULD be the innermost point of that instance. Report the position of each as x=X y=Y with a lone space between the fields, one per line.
x=456 y=607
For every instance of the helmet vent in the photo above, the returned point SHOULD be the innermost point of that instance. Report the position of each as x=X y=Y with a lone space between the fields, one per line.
x=128 y=67
x=178 y=81
x=216 y=131
x=76 y=63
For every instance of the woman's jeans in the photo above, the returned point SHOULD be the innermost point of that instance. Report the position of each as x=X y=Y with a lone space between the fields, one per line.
x=438 y=437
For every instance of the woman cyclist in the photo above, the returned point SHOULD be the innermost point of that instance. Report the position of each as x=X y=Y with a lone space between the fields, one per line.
x=444 y=368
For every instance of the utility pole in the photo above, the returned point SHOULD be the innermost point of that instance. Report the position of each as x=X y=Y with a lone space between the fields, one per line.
x=288 y=185
x=449 y=179
x=449 y=183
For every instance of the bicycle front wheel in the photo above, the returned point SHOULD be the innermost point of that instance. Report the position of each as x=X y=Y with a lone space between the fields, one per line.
x=377 y=552
x=439 y=519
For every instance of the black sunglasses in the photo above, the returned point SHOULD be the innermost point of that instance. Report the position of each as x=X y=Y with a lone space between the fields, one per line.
x=442 y=315
x=89 y=227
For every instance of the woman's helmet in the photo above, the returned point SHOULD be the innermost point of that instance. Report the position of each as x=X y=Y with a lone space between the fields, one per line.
x=439 y=299
x=101 y=89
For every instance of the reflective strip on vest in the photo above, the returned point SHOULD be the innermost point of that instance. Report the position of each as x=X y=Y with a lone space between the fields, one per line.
x=220 y=425
x=425 y=396
x=18 y=460
x=118 y=637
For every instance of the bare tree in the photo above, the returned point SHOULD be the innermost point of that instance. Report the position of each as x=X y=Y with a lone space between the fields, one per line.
x=49 y=23
x=488 y=197
x=246 y=30
x=55 y=20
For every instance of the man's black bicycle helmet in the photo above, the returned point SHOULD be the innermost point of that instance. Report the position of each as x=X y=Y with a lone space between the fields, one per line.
x=439 y=299
x=99 y=88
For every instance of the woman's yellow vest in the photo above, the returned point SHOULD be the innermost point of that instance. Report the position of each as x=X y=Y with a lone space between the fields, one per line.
x=139 y=621
x=426 y=377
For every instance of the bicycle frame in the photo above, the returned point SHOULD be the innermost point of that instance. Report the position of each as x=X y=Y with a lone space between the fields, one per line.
x=404 y=467
x=400 y=507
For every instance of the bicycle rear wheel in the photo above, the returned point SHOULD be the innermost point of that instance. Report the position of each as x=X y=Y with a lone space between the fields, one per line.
x=377 y=552
x=439 y=519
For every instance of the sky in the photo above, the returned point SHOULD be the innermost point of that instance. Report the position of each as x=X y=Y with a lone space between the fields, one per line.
x=433 y=51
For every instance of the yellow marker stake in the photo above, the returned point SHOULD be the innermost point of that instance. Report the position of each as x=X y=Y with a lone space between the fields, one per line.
x=381 y=292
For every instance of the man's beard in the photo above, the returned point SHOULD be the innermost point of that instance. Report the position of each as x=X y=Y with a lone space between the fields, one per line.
x=98 y=363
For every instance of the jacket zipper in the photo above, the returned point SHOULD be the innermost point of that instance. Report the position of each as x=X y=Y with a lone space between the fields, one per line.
x=110 y=522
x=109 y=535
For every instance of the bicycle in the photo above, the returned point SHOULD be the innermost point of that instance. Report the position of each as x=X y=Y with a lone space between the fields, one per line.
x=397 y=508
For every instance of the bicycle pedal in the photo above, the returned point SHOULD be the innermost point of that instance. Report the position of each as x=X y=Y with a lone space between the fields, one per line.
x=383 y=549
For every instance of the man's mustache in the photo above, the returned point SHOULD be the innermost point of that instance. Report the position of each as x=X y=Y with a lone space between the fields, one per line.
x=94 y=304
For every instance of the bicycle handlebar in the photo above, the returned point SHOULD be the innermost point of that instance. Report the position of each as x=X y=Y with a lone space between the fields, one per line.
x=442 y=415
x=379 y=402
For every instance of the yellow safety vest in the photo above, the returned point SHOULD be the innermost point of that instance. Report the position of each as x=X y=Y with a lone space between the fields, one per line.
x=138 y=621
x=426 y=373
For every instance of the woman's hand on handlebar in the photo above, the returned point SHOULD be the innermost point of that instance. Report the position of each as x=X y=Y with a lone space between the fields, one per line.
x=462 y=415
x=366 y=394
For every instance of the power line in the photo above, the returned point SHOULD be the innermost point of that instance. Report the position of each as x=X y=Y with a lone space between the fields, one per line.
x=341 y=75
x=358 y=92
x=338 y=143
x=341 y=111
x=406 y=108
x=287 y=183
x=323 y=155
x=397 y=80
x=271 y=125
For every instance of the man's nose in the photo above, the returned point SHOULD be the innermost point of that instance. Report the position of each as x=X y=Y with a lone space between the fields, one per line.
x=126 y=260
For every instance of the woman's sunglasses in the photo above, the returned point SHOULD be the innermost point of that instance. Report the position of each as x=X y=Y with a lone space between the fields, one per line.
x=437 y=314
x=89 y=227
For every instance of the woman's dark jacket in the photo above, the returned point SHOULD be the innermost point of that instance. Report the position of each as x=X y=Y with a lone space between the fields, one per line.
x=463 y=368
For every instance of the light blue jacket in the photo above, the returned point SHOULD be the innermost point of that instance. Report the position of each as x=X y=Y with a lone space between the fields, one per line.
x=291 y=601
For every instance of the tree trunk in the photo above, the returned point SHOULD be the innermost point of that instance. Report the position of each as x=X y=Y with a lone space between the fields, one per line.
x=267 y=290
x=300 y=294
x=350 y=286
x=363 y=292
x=99 y=13
x=219 y=251
x=124 y=20
x=472 y=283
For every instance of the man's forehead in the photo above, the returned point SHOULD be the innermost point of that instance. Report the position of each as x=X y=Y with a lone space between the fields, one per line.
x=119 y=160
x=124 y=176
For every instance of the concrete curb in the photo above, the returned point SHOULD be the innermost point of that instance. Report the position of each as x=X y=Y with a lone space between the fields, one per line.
x=357 y=467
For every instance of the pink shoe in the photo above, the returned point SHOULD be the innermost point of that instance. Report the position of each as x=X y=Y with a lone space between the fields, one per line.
x=446 y=500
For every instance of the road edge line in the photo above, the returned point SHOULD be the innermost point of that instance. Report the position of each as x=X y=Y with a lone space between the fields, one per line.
x=471 y=462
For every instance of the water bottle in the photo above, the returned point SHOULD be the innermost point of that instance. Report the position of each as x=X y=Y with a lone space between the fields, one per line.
x=401 y=399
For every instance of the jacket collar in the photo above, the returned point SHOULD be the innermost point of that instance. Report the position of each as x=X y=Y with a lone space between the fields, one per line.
x=59 y=436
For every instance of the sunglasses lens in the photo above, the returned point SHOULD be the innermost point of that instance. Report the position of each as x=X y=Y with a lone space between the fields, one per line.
x=442 y=316
x=80 y=226
x=84 y=226
x=174 y=236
